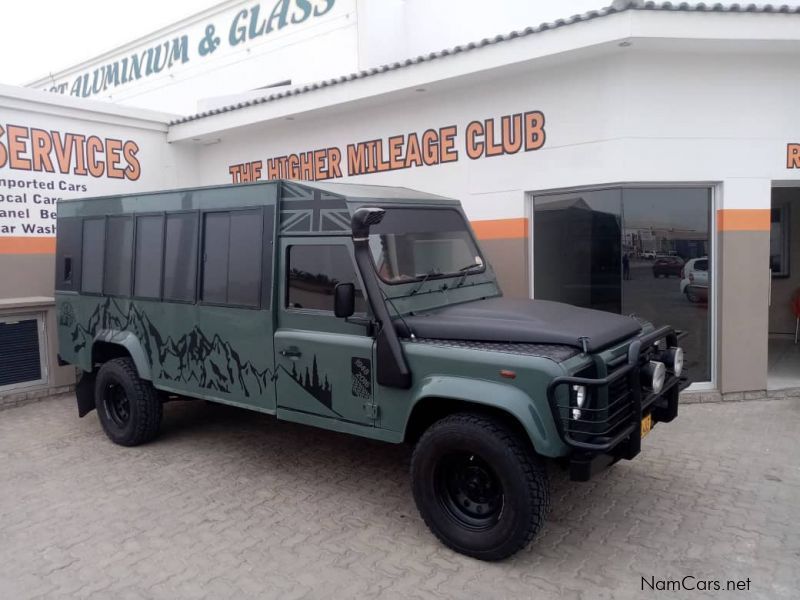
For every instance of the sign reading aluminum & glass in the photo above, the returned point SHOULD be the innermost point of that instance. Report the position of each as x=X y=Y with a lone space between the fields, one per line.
x=191 y=48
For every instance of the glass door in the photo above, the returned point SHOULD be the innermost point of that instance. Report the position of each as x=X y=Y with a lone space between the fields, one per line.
x=631 y=250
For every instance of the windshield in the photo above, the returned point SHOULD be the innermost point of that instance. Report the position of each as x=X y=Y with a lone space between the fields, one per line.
x=412 y=244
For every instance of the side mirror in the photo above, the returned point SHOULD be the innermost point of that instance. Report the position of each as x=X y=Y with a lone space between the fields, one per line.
x=344 y=300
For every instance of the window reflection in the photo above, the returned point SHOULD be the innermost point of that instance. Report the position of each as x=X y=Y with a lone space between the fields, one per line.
x=642 y=251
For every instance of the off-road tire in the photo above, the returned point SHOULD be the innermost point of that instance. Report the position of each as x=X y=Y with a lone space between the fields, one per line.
x=519 y=471
x=144 y=405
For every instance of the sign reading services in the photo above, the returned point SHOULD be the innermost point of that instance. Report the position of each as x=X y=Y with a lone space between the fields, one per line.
x=39 y=167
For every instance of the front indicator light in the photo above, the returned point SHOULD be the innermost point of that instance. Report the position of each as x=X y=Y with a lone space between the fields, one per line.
x=653 y=375
x=579 y=393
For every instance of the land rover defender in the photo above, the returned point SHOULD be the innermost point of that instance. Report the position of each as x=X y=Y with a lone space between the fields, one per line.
x=366 y=310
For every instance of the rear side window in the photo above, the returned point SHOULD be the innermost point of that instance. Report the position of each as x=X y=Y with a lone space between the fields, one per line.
x=701 y=265
x=232 y=251
x=180 y=257
x=314 y=271
x=149 y=256
x=68 y=253
x=92 y=258
x=119 y=256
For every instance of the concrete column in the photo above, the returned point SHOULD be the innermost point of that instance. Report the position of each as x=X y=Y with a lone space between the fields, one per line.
x=743 y=279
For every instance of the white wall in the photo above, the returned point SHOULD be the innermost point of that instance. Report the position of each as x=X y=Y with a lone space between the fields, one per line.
x=128 y=152
x=638 y=115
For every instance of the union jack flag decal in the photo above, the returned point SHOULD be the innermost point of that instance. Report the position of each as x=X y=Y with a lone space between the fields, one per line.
x=306 y=210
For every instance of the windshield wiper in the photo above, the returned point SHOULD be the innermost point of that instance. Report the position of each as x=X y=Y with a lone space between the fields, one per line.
x=465 y=271
x=433 y=271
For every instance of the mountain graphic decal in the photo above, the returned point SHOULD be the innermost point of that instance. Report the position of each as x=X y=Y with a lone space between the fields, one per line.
x=212 y=363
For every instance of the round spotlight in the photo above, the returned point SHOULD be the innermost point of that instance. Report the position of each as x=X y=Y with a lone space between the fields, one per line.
x=673 y=359
x=653 y=376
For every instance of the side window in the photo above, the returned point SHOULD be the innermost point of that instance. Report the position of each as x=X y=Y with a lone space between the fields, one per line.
x=232 y=251
x=68 y=253
x=119 y=254
x=314 y=271
x=149 y=256
x=94 y=231
x=180 y=256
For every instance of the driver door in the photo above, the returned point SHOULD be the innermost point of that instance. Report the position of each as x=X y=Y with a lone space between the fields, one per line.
x=323 y=363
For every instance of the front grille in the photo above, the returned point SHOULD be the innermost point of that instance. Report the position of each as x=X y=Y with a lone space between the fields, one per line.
x=615 y=399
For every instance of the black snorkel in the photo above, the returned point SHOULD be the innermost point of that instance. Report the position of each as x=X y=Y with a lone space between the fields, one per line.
x=392 y=369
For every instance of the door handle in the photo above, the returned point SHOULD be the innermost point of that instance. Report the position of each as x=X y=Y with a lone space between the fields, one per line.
x=292 y=352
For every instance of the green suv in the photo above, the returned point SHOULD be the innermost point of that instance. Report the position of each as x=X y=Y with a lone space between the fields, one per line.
x=362 y=309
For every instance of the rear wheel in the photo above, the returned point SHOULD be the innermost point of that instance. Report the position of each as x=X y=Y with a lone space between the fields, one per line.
x=129 y=407
x=478 y=486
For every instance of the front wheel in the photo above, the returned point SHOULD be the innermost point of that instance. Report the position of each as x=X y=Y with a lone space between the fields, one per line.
x=478 y=486
x=129 y=407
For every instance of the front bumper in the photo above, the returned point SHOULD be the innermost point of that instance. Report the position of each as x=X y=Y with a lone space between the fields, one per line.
x=609 y=426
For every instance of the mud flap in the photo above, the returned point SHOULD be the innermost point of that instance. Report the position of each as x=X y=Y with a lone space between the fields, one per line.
x=84 y=392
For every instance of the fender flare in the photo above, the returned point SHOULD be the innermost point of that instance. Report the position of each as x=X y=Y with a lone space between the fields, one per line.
x=529 y=413
x=131 y=343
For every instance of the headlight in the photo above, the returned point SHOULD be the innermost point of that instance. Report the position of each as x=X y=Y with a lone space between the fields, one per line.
x=653 y=375
x=579 y=393
x=673 y=359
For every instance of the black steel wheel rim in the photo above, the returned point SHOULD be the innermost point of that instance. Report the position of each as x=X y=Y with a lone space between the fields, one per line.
x=118 y=407
x=469 y=490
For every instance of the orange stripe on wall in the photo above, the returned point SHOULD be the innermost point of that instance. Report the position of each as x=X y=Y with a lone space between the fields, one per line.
x=490 y=229
x=501 y=229
x=27 y=245
x=743 y=219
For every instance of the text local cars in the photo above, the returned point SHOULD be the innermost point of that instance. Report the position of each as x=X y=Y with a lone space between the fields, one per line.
x=367 y=310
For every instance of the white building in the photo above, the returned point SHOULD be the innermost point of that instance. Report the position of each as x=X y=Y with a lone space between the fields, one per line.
x=579 y=148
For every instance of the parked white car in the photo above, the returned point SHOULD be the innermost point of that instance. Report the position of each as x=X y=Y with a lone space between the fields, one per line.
x=694 y=279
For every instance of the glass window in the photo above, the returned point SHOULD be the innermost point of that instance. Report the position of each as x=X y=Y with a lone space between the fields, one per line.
x=244 y=258
x=232 y=257
x=410 y=244
x=149 y=256
x=68 y=253
x=314 y=271
x=637 y=250
x=577 y=244
x=119 y=251
x=216 y=236
x=180 y=257
x=94 y=231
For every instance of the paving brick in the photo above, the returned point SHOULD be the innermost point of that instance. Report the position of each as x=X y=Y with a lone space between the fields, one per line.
x=232 y=504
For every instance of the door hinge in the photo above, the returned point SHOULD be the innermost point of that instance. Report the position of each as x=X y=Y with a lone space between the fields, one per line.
x=371 y=410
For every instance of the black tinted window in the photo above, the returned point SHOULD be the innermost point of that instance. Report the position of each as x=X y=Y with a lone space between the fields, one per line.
x=180 y=256
x=216 y=237
x=68 y=253
x=244 y=258
x=92 y=258
x=313 y=274
x=232 y=257
x=149 y=256
x=119 y=250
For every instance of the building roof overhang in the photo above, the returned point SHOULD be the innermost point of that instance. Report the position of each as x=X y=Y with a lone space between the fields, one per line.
x=640 y=24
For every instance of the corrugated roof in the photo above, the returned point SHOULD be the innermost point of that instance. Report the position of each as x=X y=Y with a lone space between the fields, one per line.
x=616 y=6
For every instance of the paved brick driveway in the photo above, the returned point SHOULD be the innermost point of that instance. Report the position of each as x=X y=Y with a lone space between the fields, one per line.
x=230 y=504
